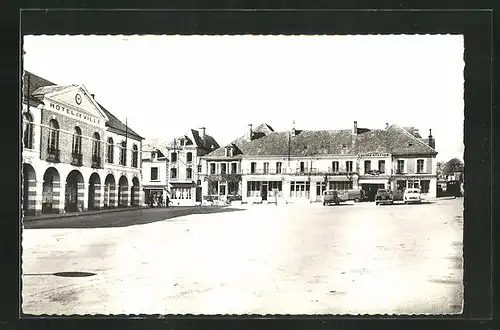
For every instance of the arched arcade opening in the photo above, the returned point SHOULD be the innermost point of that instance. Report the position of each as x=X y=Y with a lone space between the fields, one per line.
x=123 y=192
x=74 y=197
x=94 y=200
x=51 y=190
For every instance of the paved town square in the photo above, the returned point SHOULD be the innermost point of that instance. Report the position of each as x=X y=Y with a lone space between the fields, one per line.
x=263 y=259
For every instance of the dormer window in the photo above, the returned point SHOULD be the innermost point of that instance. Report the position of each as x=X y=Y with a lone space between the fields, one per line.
x=229 y=152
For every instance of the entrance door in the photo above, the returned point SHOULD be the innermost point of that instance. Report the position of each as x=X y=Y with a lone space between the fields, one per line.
x=264 y=192
x=198 y=194
x=71 y=197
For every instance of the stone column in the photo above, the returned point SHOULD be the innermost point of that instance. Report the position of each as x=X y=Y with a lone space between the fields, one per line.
x=125 y=196
x=135 y=200
x=30 y=203
x=98 y=197
x=113 y=196
x=38 y=191
x=244 y=184
x=58 y=192
x=80 y=198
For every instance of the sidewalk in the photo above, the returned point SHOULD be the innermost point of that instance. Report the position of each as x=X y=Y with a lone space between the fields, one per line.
x=77 y=214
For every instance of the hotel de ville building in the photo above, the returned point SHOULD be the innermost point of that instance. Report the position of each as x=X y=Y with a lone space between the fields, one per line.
x=76 y=155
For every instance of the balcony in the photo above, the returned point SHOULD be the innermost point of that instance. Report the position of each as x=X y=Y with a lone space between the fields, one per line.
x=96 y=161
x=76 y=159
x=53 y=155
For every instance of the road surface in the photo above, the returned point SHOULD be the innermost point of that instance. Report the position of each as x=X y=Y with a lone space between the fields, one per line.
x=267 y=259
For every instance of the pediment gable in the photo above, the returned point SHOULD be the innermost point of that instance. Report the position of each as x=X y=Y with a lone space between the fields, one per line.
x=75 y=97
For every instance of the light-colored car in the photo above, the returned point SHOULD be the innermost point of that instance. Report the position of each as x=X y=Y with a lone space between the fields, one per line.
x=412 y=195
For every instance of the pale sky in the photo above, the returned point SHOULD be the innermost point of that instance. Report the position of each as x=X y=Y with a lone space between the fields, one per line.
x=166 y=85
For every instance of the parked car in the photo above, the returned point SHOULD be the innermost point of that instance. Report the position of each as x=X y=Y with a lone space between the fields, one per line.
x=356 y=195
x=383 y=196
x=334 y=197
x=412 y=195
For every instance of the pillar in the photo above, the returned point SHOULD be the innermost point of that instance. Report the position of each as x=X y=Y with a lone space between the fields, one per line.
x=98 y=197
x=286 y=189
x=124 y=196
x=142 y=200
x=112 y=193
x=33 y=200
x=38 y=189
x=58 y=192
x=135 y=200
x=82 y=197
x=244 y=185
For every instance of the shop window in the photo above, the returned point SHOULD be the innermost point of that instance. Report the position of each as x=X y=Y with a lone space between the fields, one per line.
x=213 y=187
x=401 y=185
x=320 y=188
x=110 y=153
x=381 y=166
x=253 y=188
x=28 y=131
x=233 y=188
x=420 y=166
x=154 y=173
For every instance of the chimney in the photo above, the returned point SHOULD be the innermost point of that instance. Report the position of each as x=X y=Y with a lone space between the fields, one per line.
x=386 y=125
x=293 y=129
x=355 y=128
x=249 y=132
x=432 y=142
x=202 y=133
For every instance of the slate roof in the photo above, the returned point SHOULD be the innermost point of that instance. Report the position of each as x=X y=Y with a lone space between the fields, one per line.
x=209 y=141
x=118 y=127
x=35 y=82
x=42 y=86
x=393 y=140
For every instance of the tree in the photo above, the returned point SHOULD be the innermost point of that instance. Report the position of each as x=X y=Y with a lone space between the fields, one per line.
x=439 y=169
x=453 y=165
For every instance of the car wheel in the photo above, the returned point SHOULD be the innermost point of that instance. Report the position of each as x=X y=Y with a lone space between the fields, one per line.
x=324 y=203
x=376 y=203
x=356 y=200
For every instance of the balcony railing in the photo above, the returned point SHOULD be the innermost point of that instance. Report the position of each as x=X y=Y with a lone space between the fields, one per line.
x=96 y=161
x=53 y=155
x=76 y=159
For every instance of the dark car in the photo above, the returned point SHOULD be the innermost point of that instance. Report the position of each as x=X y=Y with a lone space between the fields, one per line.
x=383 y=196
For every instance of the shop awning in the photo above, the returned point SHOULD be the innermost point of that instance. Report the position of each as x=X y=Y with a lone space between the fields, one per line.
x=182 y=184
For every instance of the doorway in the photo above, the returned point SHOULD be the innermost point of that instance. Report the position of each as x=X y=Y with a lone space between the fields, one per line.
x=264 y=191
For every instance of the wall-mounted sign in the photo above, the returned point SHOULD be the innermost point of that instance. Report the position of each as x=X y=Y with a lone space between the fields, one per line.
x=74 y=113
x=375 y=155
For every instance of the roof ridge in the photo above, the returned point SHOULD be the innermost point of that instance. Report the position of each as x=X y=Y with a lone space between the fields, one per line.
x=414 y=137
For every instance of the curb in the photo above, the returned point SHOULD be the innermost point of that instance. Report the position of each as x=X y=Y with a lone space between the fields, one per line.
x=72 y=215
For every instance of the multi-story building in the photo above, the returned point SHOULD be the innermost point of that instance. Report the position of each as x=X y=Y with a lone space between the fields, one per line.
x=299 y=165
x=76 y=154
x=222 y=168
x=184 y=165
x=154 y=172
